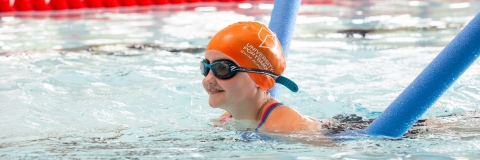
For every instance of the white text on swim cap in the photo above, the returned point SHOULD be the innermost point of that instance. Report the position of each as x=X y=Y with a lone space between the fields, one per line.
x=257 y=57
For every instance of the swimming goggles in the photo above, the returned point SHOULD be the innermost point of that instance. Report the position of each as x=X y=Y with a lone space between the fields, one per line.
x=225 y=69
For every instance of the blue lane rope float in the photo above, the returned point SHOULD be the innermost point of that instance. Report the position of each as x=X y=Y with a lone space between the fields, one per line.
x=434 y=80
x=282 y=22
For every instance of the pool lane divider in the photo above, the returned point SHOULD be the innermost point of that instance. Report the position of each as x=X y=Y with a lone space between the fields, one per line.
x=42 y=5
x=282 y=22
x=5 y=6
x=430 y=84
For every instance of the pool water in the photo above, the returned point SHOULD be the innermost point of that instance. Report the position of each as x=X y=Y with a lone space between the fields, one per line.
x=126 y=84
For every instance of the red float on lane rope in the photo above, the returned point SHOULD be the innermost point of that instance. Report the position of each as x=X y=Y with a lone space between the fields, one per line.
x=5 y=6
x=23 y=5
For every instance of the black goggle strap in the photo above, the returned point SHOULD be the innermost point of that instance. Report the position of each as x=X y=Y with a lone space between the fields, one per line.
x=252 y=70
x=292 y=86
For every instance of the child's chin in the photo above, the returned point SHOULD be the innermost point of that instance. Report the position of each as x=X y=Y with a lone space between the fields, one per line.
x=213 y=104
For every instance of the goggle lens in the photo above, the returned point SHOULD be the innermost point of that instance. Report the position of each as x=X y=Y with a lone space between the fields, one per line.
x=221 y=69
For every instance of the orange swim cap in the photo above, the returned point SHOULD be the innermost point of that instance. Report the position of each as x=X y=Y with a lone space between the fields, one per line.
x=252 y=45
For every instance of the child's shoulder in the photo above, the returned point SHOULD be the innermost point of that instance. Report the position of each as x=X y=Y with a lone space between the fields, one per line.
x=284 y=111
x=285 y=118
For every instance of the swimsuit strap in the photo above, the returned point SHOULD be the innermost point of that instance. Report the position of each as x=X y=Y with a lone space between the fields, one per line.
x=265 y=115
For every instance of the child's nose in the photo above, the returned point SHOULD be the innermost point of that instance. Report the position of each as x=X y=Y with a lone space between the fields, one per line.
x=210 y=78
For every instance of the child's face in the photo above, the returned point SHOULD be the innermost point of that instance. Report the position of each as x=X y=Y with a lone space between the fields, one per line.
x=227 y=93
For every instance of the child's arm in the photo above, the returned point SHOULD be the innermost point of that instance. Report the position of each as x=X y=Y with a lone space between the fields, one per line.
x=222 y=120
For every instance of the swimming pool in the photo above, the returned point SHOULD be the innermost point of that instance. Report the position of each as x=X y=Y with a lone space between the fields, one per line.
x=86 y=88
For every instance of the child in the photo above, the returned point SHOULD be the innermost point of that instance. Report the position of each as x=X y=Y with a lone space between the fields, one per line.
x=242 y=62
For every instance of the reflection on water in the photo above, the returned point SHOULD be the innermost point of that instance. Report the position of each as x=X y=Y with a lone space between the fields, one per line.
x=115 y=85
